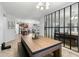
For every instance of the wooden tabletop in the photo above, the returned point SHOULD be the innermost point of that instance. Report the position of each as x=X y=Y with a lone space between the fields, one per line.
x=39 y=44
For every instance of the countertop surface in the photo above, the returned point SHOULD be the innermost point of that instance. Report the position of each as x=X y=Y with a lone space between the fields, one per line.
x=40 y=43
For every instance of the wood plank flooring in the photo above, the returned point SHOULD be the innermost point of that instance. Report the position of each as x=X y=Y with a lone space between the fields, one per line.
x=17 y=50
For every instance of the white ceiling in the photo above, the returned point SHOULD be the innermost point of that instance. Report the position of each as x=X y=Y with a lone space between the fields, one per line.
x=27 y=10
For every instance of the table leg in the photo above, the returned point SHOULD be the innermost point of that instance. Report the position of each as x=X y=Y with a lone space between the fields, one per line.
x=58 y=53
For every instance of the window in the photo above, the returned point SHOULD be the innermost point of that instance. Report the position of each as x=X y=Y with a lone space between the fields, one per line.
x=67 y=27
x=64 y=21
x=74 y=26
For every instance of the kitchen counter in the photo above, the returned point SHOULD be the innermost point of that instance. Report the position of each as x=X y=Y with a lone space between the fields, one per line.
x=41 y=46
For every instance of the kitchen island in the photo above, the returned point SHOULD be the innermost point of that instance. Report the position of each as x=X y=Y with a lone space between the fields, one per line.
x=41 y=46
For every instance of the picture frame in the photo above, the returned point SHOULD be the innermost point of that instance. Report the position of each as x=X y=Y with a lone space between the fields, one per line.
x=11 y=25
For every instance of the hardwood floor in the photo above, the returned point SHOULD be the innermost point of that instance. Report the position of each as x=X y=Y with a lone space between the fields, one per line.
x=17 y=50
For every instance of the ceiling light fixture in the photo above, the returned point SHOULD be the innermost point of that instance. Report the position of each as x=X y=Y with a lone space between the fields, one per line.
x=42 y=5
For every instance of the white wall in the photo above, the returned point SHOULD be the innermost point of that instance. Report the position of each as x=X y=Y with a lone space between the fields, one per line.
x=10 y=34
x=5 y=33
x=2 y=22
x=1 y=30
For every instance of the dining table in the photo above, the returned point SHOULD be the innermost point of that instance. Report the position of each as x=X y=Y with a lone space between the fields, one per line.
x=41 y=46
